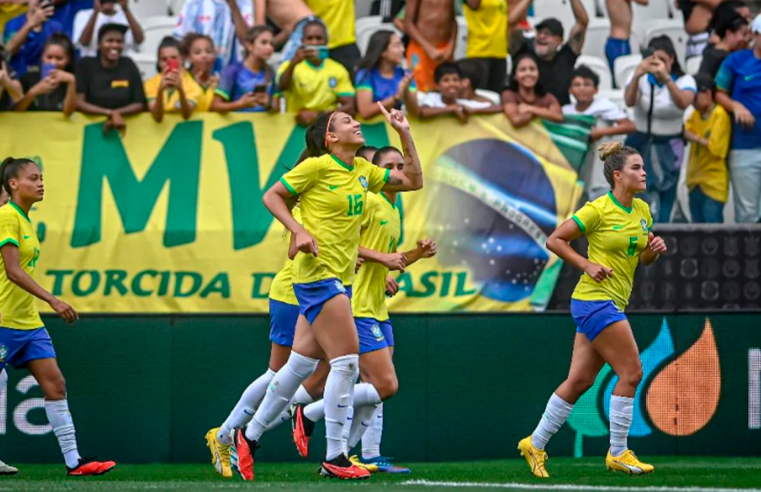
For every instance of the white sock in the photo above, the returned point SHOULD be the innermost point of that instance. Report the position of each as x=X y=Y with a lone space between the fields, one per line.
x=3 y=377
x=621 y=414
x=347 y=430
x=315 y=411
x=371 y=441
x=554 y=417
x=63 y=427
x=366 y=400
x=302 y=396
x=246 y=407
x=338 y=398
x=279 y=393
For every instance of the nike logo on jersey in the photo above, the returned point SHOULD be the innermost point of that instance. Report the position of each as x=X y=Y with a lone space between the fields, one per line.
x=342 y=406
x=383 y=222
x=27 y=237
x=333 y=187
x=618 y=227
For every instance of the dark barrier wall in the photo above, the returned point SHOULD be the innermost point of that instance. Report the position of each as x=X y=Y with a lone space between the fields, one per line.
x=146 y=389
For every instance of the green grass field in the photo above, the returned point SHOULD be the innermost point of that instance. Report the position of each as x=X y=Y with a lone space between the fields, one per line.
x=671 y=475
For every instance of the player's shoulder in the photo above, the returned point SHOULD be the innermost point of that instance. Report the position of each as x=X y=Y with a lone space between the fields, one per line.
x=641 y=206
x=9 y=211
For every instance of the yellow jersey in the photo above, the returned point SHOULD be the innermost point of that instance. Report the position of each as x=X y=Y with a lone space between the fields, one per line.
x=487 y=30
x=707 y=166
x=16 y=304
x=206 y=96
x=333 y=197
x=316 y=88
x=172 y=96
x=339 y=16
x=617 y=235
x=381 y=228
x=282 y=285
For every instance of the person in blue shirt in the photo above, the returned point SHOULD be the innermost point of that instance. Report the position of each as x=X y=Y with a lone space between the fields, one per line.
x=247 y=86
x=25 y=35
x=380 y=77
x=739 y=84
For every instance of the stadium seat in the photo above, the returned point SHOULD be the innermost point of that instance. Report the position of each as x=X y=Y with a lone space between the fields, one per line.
x=144 y=9
x=645 y=15
x=624 y=66
x=362 y=8
x=365 y=27
x=559 y=9
x=598 y=31
x=146 y=63
x=462 y=38
x=615 y=95
x=674 y=29
x=175 y=6
x=156 y=28
x=693 y=65
x=600 y=67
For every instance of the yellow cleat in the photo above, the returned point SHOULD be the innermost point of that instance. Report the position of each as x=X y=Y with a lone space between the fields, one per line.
x=365 y=466
x=627 y=463
x=220 y=454
x=534 y=457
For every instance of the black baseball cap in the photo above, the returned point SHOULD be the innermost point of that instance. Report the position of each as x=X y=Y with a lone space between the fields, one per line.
x=553 y=25
x=704 y=82
x=111 y=26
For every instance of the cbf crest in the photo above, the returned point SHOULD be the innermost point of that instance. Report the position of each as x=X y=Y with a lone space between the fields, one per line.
x=377 y=333
x=363 y=182
x=643 y=223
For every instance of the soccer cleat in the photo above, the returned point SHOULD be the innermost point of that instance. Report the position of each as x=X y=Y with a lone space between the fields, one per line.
x=302 y=429
x=220 y=453
x=358 y=463
x=88 y=467
x=242 y=454
x=628 y=463
x=340 y=467
x=534 y=457
x=7 y=469
x=384 y=465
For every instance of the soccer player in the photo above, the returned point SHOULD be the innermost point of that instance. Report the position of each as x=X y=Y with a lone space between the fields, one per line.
x=24 y=341
x=381 y=229
x=333 y=187
x=617 y=226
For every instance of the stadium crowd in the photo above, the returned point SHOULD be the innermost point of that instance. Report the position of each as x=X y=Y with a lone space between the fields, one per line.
x=76 y=55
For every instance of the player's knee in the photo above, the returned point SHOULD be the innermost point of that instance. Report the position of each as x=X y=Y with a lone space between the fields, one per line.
x=55 y=388
x=632 y=375
x=580 y=384
x=387 y=387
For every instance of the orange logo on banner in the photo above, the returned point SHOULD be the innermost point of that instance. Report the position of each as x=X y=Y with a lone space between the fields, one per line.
x=684 y=396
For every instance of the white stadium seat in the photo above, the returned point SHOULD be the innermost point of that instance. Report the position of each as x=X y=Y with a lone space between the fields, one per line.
x=615 y=95
x=674 y=29
x=462 y=38
x=365 y=27
x=362 y=8
x=624 y=66
x=559 y=9
x=598 y=31
x=156 y=28
x=600 y=67
x=693 y=65
x=144 y=9
x=645 y=15
x=146 y=63
x=175 y=6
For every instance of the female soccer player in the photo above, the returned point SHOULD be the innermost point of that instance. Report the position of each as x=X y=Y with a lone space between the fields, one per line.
x=333 y=189
x=617 y=226
x=24 y=341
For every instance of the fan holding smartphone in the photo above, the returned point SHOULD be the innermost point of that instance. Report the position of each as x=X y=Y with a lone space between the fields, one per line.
x=26 y=35
x=173 y=89
x=53 y=88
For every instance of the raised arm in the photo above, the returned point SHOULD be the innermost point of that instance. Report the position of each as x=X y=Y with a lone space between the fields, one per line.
x=579 y=30
x=411 y=178
x=137 y=30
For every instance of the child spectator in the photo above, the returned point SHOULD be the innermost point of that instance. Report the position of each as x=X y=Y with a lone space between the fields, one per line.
x=198 y=50
x=339 y=16
x=380 y=77
x=734 y=35
x=444 y=101
x=708 y=129
x=53 y=88
x=247 y=86
x=110 y=84
x=26 y=34
x=659 y=91
x=471 y=77
x=172 y=90
x=313 y=83
x=526 y=97
x=487 y=40
x=87 y=22
x=432 y=28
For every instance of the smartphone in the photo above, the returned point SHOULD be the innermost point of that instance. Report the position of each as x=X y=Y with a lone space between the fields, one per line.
x=322 y=52
x=647 y=52
x=46 y=69
x=260 y=89
x=173 y=65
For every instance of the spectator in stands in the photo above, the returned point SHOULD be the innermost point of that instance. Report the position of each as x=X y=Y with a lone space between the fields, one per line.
x=313 y=83
x=659 y=91
x=54 y=87
x=172 y=90
x=701 y=17
x=110 y=84
x=26 y=34
x=610 y=118
x=10 y=9
x=471 y=75
x=247 y=86
x=620 y=15
x=555 y=59
x=87 y=23
x=339 y=16
x=444 y=102
x=432 y=28
x=734 y=35
x=739 y=87
x=380 y=77
x=708 y=129
x=487 y=40
x=526 y=97
x=198 y=50
x=10 y=89
x=517 y=22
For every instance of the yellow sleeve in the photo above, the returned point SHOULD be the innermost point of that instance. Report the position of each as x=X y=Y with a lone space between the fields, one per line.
x=192 y=91
x=9 y=230
x=302 y=177
x=691 y=124
x=588 y=218
x=280 y=71
x=376 y=177
x=152 y=87
x=718 y=142
x=343 y=87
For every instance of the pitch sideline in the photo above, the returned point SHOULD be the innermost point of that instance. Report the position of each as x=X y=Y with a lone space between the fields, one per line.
x=567 y=487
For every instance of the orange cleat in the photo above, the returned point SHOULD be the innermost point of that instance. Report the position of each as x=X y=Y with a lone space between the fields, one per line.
x=90 y=468
x=340 y=467
x=302 y=428
x=243 y=451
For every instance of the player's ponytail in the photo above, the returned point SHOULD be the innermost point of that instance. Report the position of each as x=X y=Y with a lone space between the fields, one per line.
x=614 y=155
x=9 y=169
x=316 y=143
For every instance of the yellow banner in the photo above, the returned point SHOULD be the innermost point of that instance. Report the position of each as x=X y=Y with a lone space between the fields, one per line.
x=169 y=218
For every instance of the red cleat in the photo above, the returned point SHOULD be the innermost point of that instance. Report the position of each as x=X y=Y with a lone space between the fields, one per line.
x=245 y=451
x=301 y=429
x=340 y=467
x=90 y=468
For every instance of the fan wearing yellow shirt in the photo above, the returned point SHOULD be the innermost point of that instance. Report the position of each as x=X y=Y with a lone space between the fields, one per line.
x=339 y=17
x=332 y=184
x=173 y=89
x=617 y=226
x=311 y=82
x=198 y=49
x=24 y=341
x=487 y=40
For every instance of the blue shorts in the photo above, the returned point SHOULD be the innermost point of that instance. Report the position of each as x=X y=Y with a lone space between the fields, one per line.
x=592 y=317
x=283 y=319
x=314 y=295
x=18 y=347
x=373 y=334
